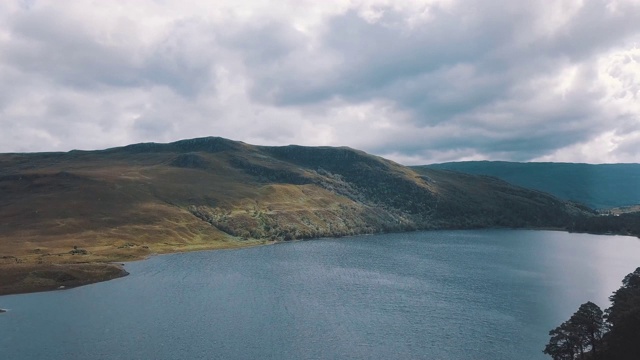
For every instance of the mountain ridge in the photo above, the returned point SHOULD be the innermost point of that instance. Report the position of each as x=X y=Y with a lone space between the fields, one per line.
x=129 y=202
x=599 y=186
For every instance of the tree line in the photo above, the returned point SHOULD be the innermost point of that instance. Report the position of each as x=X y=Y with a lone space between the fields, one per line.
x=593 y=334
x=625 y=224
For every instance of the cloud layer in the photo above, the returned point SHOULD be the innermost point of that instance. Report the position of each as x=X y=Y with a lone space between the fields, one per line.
x=416 y=81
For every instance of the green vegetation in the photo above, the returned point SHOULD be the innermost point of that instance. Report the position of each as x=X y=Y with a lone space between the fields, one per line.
x=590 y=334
x=214 y=192
x=210 y=193
x=625 y=224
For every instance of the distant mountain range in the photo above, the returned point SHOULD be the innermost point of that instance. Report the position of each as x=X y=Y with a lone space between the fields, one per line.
x=597 y=186
x=150 y=197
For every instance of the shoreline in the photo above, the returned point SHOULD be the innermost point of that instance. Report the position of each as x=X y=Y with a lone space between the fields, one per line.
x=24 y=278
x=30 y=276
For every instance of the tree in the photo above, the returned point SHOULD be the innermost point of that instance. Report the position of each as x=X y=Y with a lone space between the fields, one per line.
x=623 y=339
x=580 y=335
x=589 y=325
x=563 y=343
x=585 y=335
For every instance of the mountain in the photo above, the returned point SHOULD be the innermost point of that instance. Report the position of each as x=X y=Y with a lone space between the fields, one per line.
x=128 y=202
x=192 y=191
x=597 y=186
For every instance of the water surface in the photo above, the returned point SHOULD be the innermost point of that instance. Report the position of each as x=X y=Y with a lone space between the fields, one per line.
x=491 y=294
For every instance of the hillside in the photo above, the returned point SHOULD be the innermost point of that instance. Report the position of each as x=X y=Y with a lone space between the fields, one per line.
x=597 y=186
x=128 y=202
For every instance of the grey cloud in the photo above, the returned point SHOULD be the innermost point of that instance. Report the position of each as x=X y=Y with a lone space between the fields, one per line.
x=51 y=43
x=385 y=51
x=184 y=60
x=473 y=80
x=371 y=57
x=262 y=43
x=593 y=29
x=374 y=56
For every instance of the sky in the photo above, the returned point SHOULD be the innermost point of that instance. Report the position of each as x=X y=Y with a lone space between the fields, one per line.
x=416 y=81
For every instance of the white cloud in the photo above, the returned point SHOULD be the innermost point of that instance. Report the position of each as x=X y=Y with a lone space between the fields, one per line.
x=418 y=81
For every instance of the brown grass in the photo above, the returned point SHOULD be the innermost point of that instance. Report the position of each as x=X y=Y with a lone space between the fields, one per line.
x=127 y=204
x=24 y=278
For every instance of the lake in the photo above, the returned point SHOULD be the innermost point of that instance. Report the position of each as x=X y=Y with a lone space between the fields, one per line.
x=487 y=294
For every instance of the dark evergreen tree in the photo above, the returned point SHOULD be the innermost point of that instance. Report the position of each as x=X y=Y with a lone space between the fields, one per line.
x=564 y=344
x=589 y=325
x=584 y=336
x=623 y=338
x=578 y=336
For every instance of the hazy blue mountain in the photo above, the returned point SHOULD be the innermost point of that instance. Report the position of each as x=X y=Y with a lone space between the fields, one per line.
x=597 y=186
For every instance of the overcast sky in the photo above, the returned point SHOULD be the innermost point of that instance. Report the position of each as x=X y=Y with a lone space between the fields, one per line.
x=415 y=81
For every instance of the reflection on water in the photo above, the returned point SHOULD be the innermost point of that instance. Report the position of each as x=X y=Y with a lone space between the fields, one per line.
x=491 y=294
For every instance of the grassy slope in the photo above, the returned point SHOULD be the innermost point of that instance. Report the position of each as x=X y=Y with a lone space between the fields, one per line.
x=125 y=203
x=597 y=186
x=24 y=278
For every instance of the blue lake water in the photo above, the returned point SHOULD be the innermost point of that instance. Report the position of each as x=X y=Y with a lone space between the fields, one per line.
x=489 y=294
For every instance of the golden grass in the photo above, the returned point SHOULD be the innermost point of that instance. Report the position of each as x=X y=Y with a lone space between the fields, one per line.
x=126 y=205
